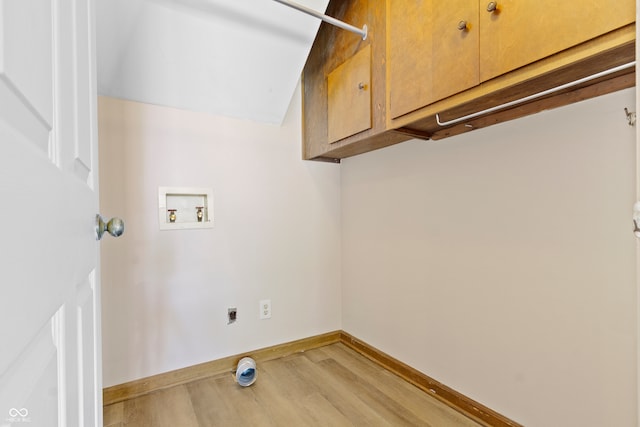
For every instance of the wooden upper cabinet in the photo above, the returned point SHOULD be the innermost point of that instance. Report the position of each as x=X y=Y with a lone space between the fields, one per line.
x=433 y=51
x=438 y=49
x=523 y=31
x=424 y=58
x=349 y=96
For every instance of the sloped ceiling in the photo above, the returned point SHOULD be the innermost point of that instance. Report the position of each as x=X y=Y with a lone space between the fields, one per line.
x=236 y=58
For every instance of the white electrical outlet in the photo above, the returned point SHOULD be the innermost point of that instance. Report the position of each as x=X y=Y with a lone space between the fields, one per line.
x=265 y=309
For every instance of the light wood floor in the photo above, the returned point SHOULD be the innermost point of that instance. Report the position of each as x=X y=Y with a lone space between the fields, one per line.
x=328 y=386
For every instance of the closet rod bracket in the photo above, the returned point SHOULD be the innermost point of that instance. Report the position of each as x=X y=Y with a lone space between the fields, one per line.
x=631 y=116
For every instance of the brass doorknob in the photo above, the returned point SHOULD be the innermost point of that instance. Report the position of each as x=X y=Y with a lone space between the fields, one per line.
x=492 y=6
x=115 y=227
x=462 y=25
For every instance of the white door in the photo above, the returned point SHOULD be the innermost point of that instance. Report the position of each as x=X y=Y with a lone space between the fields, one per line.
x=50 y=360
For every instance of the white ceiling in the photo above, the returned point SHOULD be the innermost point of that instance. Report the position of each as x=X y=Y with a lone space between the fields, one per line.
x=236 y=58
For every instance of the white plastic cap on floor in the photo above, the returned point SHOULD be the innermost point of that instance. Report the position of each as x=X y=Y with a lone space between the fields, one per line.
x=246 y=372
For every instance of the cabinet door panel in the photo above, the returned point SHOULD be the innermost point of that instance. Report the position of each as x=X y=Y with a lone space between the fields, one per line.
x=455 y=52
x=349 y=96
x=429 y=57
x=524 y=31
x=410 y=50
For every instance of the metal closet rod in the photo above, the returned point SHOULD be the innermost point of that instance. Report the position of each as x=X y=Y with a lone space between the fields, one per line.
x=536 y=95
x=333 y=21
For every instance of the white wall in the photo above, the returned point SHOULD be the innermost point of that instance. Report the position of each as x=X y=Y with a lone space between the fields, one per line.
x=466 y=258
x=232 y=58
x=502 y=262
x=276 y=235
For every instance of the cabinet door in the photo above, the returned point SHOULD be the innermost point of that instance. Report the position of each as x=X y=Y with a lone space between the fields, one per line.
x=430 y=57
x=523 y=31
x=455 y=64
x=349 y=96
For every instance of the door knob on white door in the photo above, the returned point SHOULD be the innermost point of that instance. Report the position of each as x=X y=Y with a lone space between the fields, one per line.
x=115 y=227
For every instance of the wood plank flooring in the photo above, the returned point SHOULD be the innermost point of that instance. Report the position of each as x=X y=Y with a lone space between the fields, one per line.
x=327 y=386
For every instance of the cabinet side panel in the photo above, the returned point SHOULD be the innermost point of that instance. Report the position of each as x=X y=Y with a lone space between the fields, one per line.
x=334 y=46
